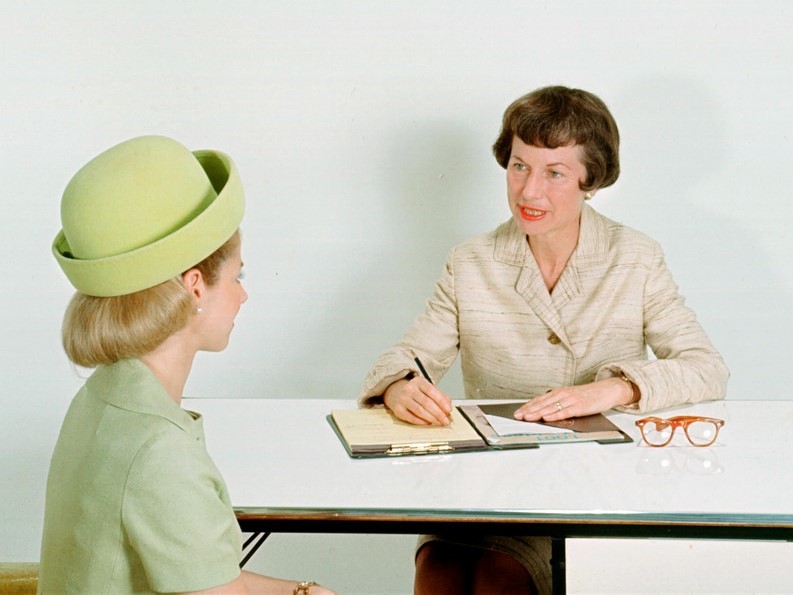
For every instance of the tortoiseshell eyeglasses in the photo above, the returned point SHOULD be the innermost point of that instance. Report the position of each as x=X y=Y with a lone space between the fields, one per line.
x=700 y=431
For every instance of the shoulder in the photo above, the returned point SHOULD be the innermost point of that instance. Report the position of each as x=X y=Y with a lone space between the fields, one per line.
x=175 y=466
x=624 y=243
x=165 y=449
x=485 y=244
x=117 y=421
x=618 y=232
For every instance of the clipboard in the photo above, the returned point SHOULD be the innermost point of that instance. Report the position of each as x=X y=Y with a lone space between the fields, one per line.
x=376 y=432
x=590 y=428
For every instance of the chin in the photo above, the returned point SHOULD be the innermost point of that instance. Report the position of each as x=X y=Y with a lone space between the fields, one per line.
x=524 y=226
x=216 y=347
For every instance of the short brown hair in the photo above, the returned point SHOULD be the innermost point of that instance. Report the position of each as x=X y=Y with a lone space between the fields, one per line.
x=558 y=117
x=103 y=330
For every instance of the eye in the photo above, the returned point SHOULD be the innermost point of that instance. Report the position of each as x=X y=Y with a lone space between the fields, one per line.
x=555 y=174
x=241 y=276
x=518 y=166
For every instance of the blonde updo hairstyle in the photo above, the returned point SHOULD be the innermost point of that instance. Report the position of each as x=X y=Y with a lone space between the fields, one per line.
x=103 y=330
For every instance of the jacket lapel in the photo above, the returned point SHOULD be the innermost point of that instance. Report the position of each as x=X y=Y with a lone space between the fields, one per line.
x=531 y=286
x=512 y=248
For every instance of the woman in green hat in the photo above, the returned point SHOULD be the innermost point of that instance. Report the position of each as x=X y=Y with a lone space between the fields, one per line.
x=134 y=503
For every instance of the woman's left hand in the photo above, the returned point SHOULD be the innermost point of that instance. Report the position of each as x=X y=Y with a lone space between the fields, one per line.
x=577 y=401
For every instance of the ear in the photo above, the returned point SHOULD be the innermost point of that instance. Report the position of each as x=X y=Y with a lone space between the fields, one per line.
x=193 y=282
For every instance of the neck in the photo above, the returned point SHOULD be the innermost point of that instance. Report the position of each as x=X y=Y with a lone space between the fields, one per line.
x=170 y=363
x=553 y=253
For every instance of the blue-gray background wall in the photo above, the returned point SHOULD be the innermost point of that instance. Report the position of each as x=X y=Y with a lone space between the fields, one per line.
x=362 y=132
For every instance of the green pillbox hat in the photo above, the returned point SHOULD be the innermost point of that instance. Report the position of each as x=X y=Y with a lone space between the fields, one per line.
x=143 y=212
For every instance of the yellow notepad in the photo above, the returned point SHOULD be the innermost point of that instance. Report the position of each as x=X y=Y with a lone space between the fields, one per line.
x=373 y=432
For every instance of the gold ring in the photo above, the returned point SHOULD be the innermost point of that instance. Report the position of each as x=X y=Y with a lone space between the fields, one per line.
x=558 y=406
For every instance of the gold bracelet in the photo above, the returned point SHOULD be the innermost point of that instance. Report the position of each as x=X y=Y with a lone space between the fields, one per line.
x=633 y=386
x=302 y=587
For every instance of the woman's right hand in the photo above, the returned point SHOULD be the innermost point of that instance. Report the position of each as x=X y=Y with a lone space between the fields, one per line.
x=418 y=402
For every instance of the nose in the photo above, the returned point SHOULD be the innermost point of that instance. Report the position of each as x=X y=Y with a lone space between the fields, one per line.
x=244 y=295
x=532 y=186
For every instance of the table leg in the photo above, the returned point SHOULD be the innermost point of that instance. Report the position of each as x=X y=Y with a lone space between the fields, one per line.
x=558 y=563
x=261 y=537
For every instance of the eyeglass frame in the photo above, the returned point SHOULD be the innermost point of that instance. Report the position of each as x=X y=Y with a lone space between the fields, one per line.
x=679 y=421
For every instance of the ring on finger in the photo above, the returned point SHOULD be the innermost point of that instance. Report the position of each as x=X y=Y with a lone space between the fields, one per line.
x=558 y=406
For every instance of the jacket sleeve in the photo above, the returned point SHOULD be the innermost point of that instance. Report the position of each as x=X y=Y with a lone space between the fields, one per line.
x=686 y=368
x=433 y=338
x=177 y=517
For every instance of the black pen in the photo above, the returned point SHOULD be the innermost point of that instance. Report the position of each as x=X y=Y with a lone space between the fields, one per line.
x=428 y=379
x=423 y=371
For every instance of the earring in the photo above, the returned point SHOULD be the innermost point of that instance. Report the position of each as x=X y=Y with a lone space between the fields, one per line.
x=199 y=310
x=588 y=196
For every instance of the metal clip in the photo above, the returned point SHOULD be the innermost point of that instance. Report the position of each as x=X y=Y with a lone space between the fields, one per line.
x=421 y=448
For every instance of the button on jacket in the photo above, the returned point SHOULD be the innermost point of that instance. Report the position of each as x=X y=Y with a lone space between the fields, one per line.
x=615 y=309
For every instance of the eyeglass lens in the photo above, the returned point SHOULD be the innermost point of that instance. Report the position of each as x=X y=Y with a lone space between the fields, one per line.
x=702 y=433
x=657 y=432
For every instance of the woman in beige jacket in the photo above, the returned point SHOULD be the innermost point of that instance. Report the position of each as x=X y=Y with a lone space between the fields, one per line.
x=558 y=306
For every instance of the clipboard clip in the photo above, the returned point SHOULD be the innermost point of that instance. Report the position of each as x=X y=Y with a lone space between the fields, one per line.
x=419 y=448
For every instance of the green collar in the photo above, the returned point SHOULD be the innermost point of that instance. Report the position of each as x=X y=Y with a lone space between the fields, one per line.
x=129 y=384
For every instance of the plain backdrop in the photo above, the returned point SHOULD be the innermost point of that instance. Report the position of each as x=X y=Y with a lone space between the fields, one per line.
x=362 y=132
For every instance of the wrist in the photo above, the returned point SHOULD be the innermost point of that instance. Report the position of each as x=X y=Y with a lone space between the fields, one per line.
x=634 y=390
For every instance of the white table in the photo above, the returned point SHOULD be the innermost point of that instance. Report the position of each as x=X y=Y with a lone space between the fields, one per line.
x=287 y=472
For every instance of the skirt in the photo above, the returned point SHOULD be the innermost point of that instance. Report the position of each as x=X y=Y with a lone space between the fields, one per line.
x=534 y=553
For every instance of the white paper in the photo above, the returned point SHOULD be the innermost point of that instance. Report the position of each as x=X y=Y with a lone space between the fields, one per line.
x=510 y=427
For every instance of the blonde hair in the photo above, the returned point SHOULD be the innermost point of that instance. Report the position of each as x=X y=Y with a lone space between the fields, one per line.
x=103 y=330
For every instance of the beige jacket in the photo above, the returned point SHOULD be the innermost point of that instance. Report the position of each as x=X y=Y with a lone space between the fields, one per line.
x=614 y=300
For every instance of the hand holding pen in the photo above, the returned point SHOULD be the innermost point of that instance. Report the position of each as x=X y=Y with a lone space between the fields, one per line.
x=417 y=400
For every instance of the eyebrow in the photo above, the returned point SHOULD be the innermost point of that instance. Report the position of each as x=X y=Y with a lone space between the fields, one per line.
x=554 y=164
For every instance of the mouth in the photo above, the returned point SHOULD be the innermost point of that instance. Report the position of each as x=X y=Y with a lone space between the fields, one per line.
x=531 y=214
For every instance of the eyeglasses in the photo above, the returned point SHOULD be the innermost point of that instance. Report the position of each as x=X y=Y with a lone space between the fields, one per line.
x=700 y=431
